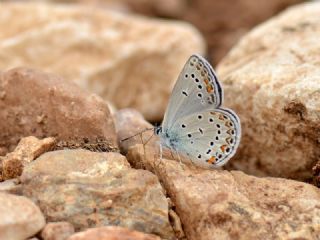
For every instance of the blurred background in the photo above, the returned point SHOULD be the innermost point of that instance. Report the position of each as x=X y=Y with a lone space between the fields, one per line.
x=129 y=52
x=222 y=22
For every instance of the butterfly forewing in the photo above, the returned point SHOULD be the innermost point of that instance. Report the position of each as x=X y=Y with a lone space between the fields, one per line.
x=208 y=138
x=196 y=88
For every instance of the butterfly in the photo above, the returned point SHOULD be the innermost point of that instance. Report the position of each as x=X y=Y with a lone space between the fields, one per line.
x=195 y=125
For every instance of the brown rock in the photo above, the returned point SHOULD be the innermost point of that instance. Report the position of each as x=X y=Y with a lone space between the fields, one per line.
x=113 y=55
x=129 y=123
x=57 y=231
x=112 y=233
x=219 y=204
x=28 y=149
x=20 y=217
x=91 y=189
x=74 y=117
x=273 y=85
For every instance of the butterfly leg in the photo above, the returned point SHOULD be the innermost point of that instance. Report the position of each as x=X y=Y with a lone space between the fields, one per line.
x=179 y=158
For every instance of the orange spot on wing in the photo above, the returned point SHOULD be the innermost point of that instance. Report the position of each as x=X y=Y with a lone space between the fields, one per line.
x=211 y=160
x=221 y=117
x=206 y=81
x=223 y=148
x=209 y=88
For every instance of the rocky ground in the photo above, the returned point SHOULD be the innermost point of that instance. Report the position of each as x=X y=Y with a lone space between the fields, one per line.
x=76 y=79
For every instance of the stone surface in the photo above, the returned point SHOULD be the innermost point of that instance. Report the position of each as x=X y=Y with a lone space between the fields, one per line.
x=28 y=149
x=11 y=186
x=130 y=122
x=272 y=80
x=91 y=189
x=44 y=105
x=57 y=231
x=112 y=233
x=220 y=204
x=316 y=174
x=116 y=56
x=20 y=217
x=222 y=22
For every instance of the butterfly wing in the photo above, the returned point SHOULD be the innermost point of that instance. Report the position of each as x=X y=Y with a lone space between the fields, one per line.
x=197 y=88
x=207 y=138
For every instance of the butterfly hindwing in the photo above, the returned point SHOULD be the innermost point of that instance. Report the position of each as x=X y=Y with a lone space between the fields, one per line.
x=208 y=138
x=197 y=88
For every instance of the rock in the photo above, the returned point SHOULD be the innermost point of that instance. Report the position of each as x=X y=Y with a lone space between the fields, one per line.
x=274 y=88
x=57 y=231
x=111 y=54
x=130 y=122
x=28 y=149
x=44 y=105
x=91 y=189
x=215 y=19
x=217 y=204
x=11 y=186
x=112 y=233
x=20 y=217
x=224 y=22
x=316 y=174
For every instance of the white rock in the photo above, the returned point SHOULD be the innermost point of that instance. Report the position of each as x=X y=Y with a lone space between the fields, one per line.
x=20 y=217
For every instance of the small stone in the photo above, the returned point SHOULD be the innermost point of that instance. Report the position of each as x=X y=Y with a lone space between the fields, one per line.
x=20 y=217
x=57 y=231
x=28 y=149
x=89 y=189
x=271 y=79
x=216 y=204
x=112 y=233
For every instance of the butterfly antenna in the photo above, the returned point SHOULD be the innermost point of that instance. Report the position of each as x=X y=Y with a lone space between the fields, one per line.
x=139 y=133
